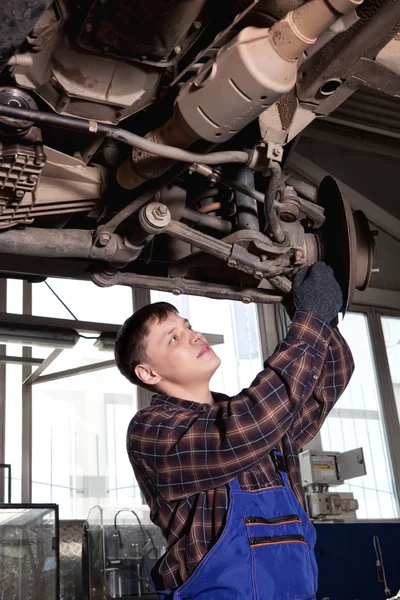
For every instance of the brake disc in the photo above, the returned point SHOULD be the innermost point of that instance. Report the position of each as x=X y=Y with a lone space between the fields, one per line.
x=347 y=244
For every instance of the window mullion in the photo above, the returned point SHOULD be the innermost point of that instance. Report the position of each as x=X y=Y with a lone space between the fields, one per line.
x=388 y=400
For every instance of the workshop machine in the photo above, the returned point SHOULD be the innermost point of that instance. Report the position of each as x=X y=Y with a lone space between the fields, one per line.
x=147 y=143
x=322 y=470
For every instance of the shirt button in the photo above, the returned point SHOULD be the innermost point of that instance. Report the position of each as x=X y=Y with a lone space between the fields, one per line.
x=315 y=376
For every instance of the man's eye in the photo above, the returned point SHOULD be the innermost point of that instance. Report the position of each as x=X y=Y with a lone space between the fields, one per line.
x=190 y=327
x=174 y=339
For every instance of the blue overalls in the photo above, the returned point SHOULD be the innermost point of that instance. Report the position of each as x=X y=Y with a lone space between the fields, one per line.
x=265 y=552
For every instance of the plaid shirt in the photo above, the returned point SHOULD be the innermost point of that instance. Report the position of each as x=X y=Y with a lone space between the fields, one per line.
x=184 y=453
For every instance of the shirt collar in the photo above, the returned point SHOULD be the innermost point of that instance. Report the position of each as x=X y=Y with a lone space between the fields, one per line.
x=158 y=399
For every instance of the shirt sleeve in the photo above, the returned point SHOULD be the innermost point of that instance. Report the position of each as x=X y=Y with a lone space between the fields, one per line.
x=336 y=374
x=183 y=452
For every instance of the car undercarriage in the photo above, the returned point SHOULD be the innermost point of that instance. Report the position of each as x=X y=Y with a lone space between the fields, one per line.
x=146 y=144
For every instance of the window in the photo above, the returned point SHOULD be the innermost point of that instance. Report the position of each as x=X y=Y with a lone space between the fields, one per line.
x=357 y=421
x=13 y=437
x=391 y=332
x=241 y=351
x=79 y=456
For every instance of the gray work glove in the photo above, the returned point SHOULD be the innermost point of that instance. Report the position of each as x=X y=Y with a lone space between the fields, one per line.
x=315 y=289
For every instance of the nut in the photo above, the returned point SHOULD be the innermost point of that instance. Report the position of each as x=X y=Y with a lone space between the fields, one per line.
x=213 y=178
x=247 y=300
x=178 y=49
x=197 y=25
x=232 y=262
x=177 y=292
x=258 y=275
x=298 y=257
x=20 y=193
x=104 y=238
x=159 y=212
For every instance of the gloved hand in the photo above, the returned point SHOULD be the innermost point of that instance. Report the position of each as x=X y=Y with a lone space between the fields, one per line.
x=315 y=289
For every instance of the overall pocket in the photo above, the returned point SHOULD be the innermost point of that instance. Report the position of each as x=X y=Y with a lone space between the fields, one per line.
x=281 y=564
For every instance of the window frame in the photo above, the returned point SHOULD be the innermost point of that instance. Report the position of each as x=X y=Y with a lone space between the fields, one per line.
x=270 y=319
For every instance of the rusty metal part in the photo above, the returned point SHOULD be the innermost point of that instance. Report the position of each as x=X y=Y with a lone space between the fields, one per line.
x=185 y=286
x=72 y=243
x=127 y=137
x=248 y=75
x=156 y=33
x=210 y=207
x=246 y=207
x=18 y=18
x=301 y=28
x=143 y=166
x=13 y=96
x=52 y=183
x=203 y=220
x=379 y=22
x=213 y=48
x=346 y=241
x=154 y=217
x=273 y=227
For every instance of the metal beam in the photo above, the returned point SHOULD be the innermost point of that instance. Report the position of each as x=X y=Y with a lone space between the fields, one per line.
x=82 y=326
x=388 y=400
x=76 y=371
x=19 y=360
x=33 y=377
x=386 y=300
x=314 y=174
x=26 y=491
x=3 y=307
x=141 y=297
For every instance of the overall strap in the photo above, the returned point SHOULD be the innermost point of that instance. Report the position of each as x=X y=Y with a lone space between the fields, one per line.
x=234 y=485
x=279 y=462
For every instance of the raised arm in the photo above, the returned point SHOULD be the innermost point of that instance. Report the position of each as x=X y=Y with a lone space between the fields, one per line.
x=187 y=450
x=336 y=373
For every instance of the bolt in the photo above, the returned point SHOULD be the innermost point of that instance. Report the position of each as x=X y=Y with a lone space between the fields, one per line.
x=263 y=257
x=159 y=212
x=177 y=292
x=298 y=256
x=232 y=262
x=20 y=193
x=178 y=49
x=258 y=275
x=88 y=27
x=104 y=238
x=197 y=25
x=213 y=178
x=247 y=300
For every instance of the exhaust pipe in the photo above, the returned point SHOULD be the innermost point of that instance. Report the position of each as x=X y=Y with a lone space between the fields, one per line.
x=249 y=75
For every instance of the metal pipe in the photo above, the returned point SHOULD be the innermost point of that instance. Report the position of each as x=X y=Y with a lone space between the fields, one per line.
x=121 y=135
x=273 y=227
x=247 y=216
x=204 y=220
x=301 y=27
x=309 y=192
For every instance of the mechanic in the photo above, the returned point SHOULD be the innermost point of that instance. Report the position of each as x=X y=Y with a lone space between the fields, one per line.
x=221 y=475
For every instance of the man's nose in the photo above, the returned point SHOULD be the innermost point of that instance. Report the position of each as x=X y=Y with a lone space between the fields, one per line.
x=195 y=337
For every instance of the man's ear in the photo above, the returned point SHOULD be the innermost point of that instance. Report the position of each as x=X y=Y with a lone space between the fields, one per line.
x=146 y=374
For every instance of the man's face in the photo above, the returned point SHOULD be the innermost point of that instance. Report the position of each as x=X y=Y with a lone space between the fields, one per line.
x=179 y=355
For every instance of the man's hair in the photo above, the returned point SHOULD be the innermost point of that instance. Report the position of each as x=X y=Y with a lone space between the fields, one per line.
x=130 y=345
